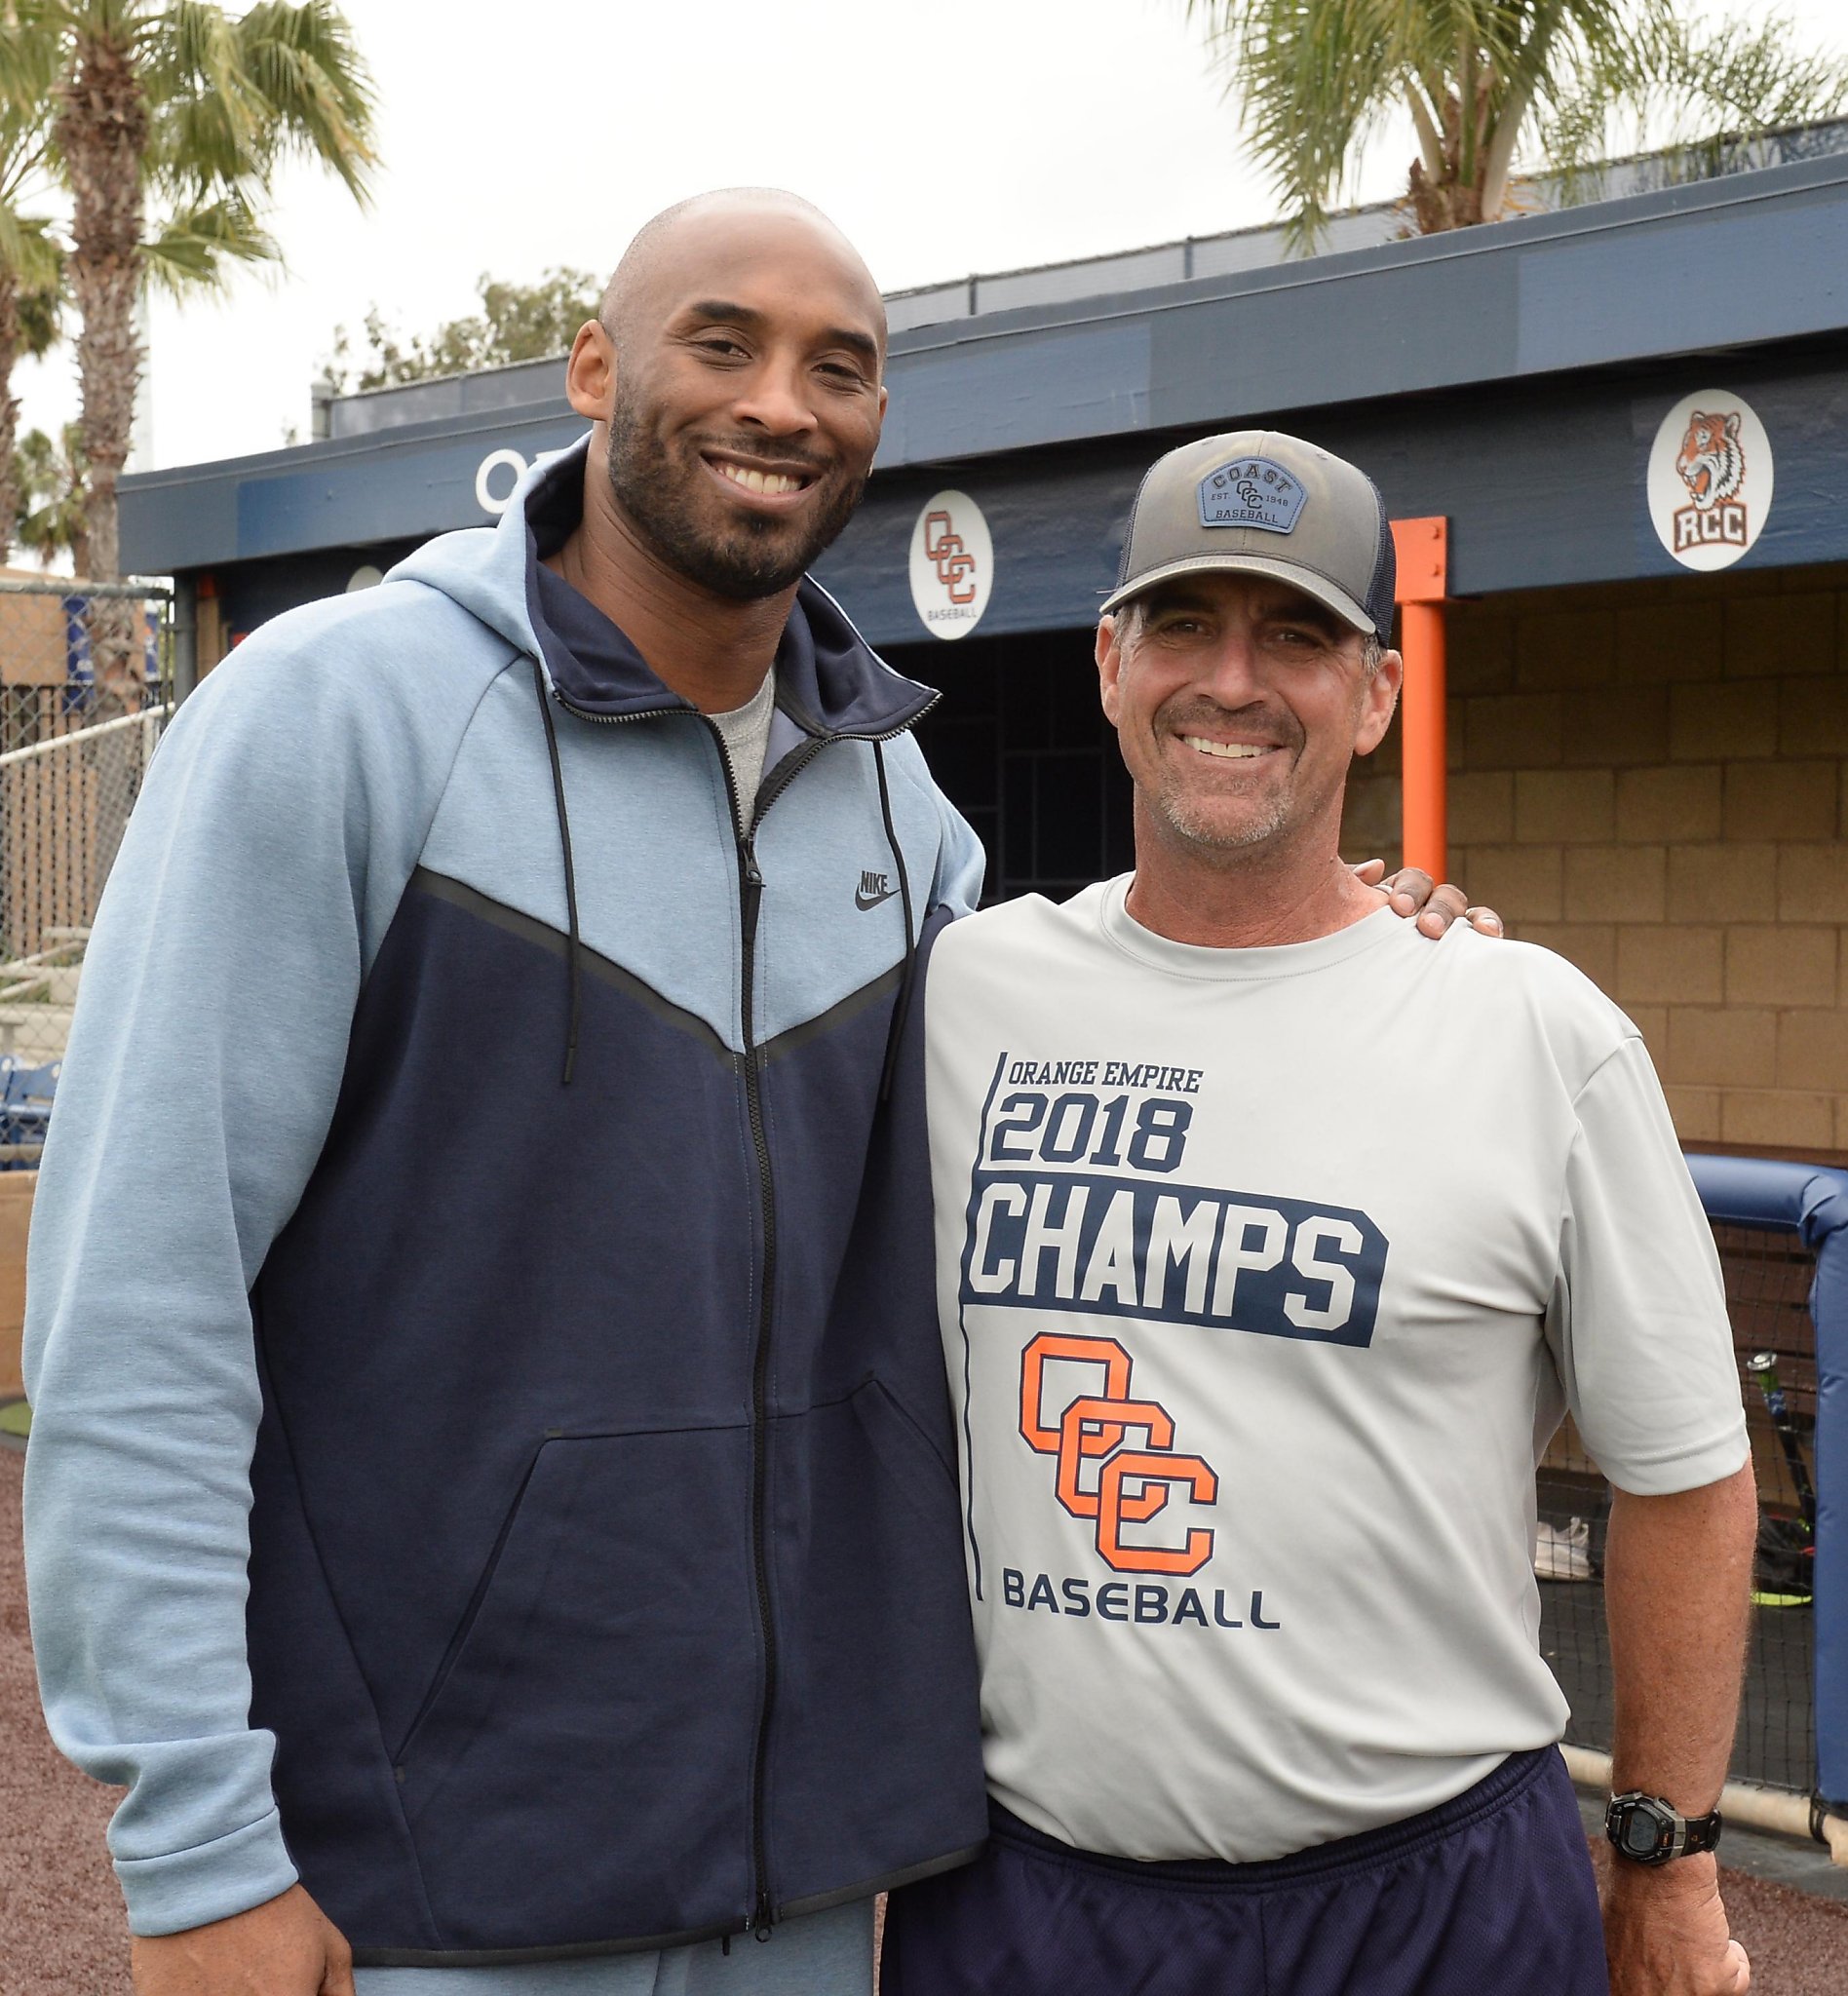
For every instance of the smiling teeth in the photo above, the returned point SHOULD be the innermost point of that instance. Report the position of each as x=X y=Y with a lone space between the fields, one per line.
x=772 y=482
x=1237 y=751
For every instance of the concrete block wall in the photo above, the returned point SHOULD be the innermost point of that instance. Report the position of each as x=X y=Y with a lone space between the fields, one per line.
x=1652 y=779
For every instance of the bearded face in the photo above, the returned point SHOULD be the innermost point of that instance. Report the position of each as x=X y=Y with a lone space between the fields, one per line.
x=733 y=549
x=704 y=501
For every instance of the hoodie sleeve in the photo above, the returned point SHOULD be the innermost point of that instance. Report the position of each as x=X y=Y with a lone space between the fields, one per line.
x=279 y=823
x=961 y=863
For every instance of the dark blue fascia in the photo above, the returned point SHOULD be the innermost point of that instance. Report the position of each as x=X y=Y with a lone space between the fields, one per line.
x=1544 y=487
x=348 y=492
x=1478 y=374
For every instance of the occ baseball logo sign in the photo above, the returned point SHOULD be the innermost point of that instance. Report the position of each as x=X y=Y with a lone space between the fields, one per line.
x=952 y=564
x=1711 y=480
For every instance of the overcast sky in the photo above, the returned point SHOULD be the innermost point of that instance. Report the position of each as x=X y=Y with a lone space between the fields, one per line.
x=944 y=136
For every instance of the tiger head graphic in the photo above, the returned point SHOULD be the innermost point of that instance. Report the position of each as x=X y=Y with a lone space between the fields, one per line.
x=1712 y=462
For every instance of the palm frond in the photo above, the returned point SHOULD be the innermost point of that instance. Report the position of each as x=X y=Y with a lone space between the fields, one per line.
x=53 y=494
x=206 y=121
x=31 y=52
x=1707 y=93
x=194 y=245
x=127 y=24
x=231 y=98
x=1312 y=79
x=306 y=64
x=1311 y=83
x=1748 y=76
x=28 y=249
x=199 y=140
x=40 y=312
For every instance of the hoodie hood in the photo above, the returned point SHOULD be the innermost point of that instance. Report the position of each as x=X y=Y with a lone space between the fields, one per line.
x=830 y=680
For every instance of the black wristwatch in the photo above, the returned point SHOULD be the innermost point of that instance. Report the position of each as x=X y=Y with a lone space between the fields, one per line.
x=1646 y=1831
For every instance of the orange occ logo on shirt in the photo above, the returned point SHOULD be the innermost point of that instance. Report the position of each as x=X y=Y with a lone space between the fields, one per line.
x=1134 y=1483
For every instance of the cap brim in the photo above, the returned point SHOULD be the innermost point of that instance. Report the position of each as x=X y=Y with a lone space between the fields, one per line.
x=1308 y=580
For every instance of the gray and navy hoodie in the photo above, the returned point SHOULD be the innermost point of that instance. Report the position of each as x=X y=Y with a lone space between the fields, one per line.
x=490 y=1452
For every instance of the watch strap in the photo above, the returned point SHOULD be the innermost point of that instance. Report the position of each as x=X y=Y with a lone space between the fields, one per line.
x=1700 y=1834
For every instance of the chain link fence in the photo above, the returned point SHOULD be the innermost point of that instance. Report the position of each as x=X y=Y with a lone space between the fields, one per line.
x=1768 y=1281
x=74 y=745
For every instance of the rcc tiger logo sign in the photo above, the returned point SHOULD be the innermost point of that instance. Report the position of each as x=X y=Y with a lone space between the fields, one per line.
x=1713 y=467
x=1709 y=480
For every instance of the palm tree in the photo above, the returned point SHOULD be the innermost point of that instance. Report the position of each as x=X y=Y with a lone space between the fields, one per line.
x=178 y=113
x=1315 y=79
x=28 y=254
x=52 y=503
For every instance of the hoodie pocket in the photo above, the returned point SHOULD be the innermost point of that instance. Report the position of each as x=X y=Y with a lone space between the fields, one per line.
x=877 y=1740
x=588 y=1738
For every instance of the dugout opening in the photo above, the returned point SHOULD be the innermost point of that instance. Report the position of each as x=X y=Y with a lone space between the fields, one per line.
x=1021 y=746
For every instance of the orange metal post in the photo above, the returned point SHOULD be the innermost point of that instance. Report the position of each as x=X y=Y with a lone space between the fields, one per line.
x=1422 y=547
x=1422 y=737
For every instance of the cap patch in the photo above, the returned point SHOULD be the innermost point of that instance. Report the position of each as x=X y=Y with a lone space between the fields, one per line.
x=1251 y=491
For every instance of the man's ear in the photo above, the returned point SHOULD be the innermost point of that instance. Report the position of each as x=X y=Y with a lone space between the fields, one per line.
x=1378 y=701
x=1109 y=667
x=589 y=374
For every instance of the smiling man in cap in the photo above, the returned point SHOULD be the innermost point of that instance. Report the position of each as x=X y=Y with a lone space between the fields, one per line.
x=1254 y=1332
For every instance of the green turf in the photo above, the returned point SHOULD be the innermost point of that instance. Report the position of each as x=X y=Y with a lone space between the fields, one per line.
x=16 y=1418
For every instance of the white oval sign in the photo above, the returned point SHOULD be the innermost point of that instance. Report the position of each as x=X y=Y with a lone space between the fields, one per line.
x=952 y=564
x=495 y=494
x=1711 y=480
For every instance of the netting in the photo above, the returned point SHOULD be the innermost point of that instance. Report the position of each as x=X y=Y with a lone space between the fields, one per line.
x=1768 y=1278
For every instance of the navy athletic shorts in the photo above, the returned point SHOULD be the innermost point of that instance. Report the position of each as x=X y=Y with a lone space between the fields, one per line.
x=1489 y=1895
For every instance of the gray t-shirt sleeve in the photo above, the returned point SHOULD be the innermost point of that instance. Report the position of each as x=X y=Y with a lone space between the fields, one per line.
x=1637 y=1324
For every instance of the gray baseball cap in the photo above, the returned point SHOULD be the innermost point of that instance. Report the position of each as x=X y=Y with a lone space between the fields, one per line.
x=1255 y=502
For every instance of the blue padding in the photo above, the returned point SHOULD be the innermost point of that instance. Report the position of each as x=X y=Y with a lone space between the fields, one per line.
x=1811 y=1202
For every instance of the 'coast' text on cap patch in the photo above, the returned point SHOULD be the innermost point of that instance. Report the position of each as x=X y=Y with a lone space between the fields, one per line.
x=1251 y=491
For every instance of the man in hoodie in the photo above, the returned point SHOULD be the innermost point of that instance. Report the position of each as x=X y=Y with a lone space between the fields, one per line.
x=490 y=1499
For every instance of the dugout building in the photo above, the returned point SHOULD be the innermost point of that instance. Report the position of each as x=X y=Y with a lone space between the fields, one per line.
x=1614 y=441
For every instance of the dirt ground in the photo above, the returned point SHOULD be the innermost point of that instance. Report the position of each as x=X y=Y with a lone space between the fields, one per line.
x=60 y=1914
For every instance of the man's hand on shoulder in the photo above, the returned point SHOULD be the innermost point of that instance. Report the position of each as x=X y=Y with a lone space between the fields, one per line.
x=287 y=1946
x=1666 y=1932
x=1410 y=892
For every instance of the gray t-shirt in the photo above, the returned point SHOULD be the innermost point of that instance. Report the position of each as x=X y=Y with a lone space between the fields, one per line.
x=745 y=732
x=1265 y=1276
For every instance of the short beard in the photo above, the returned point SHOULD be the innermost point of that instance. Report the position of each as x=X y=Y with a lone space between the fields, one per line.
x=743 y=565
x=1196 y=827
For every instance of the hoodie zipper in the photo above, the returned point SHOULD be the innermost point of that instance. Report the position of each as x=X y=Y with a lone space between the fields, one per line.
x=762 y=1915
x=749 y=905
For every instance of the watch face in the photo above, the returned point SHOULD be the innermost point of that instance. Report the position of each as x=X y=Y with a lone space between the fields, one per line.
x=1637 y=1833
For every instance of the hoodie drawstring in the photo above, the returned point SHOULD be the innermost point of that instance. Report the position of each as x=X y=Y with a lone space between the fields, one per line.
x=573 y=945
x=572 y=971
x=895 y=1033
